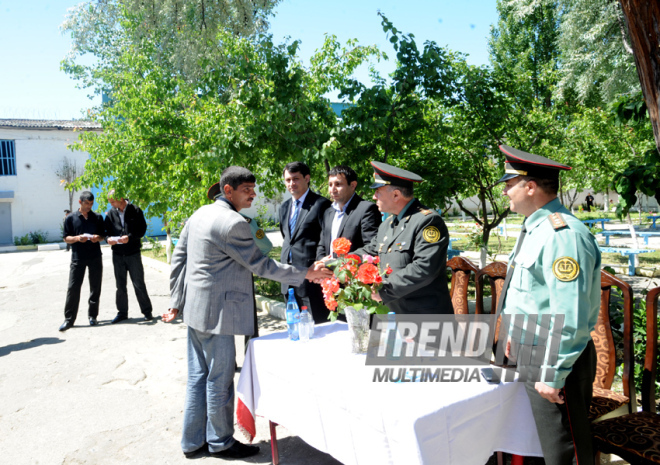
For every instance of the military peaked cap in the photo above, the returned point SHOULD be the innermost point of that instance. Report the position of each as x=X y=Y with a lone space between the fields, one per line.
x=213 y=191
x=388 y=175
x=519 y=163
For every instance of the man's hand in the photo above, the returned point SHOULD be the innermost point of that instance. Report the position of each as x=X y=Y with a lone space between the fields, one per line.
x=549 y=393
x=123 y=239
x=82 y=238
x=318 y=272
x=96 y=238
x=326 y=258
x=170 y=315
x=376 y=296
x=111 y=241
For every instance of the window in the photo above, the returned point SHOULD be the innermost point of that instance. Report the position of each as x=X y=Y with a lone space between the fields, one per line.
x=7 y=158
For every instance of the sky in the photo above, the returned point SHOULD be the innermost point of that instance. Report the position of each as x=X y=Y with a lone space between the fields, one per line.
x=32 y=46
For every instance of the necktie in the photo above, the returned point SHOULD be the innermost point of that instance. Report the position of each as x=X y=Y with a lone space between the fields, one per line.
x=294 y=218
x=509 y=273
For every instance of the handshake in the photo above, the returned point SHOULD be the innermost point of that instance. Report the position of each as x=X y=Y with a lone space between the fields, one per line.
x=318 y=272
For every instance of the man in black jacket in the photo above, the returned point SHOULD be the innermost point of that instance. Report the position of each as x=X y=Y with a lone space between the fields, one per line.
x=351 y=216
x=125 y=226
x=300 y=225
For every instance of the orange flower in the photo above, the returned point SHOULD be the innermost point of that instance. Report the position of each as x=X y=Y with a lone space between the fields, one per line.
x=331 y=304
x=354 y=258
x=330 y=285
x=368 y=274
x=341 y=246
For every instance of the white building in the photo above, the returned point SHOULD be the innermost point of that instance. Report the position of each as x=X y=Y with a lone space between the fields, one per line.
x=31 y=196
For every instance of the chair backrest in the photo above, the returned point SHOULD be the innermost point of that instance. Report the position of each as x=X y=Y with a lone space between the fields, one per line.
x=604 y=341
x=496 y=272
x=461 y=269
x=651 y=360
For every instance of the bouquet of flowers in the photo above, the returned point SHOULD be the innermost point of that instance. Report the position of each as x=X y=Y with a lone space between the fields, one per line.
x=355 y=279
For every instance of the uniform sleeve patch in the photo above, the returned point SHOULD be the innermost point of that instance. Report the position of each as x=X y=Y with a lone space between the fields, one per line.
x=566 y=269
x=557 y=221
x=260 y=234
x=431 y=234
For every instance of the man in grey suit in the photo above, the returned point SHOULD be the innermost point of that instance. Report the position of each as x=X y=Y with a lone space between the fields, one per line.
x=211 y=282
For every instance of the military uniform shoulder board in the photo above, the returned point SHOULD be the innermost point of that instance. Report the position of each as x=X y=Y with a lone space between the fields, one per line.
x=426 y=211
x=249 y=220
x=557 y=221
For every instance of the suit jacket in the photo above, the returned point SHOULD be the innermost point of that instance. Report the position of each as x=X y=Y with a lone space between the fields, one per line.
x=359 y=225
x=304 y=238
x=212 y=266
x=416 y=250
x=135 y=227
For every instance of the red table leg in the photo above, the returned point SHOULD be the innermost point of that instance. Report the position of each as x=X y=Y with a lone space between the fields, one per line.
x=516 y=460
x=273 y=443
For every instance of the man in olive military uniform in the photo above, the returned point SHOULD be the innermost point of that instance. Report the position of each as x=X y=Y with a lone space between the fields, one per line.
x=263 y=243
x=554 y=270
x=413 y=241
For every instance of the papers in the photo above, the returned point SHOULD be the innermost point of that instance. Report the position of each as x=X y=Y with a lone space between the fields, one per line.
x=115 y=239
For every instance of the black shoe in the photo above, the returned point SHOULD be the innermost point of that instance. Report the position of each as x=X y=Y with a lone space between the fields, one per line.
x=237 y=451
x=66 y=325
x=148 y=316
x=194 y=453
x=119 y=317
x=92 y=321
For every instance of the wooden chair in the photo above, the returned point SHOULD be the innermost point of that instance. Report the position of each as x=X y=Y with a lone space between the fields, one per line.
x=636 y=437
x=496 y=272
x=605 y=402
x=461 y=269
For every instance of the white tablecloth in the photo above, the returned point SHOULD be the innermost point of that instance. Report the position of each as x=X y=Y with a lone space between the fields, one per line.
x=324 y=394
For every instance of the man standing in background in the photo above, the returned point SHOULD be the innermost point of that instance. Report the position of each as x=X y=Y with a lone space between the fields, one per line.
x=351 y=216
x=83 y=230
x=125 y=226
x=301 y=217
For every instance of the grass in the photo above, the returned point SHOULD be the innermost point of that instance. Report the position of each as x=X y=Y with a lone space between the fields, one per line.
x=157 y=254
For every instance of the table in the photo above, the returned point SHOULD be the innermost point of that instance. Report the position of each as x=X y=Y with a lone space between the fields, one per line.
x=653 y=217
x=631 y=253
x=325 y=395
x=602 y=222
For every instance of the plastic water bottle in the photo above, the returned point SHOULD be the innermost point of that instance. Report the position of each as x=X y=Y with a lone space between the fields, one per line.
x=306 y=328
x=292 y=316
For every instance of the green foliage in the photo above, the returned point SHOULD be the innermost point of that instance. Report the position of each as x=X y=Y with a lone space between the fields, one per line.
x=155 y=244
x=33 y=237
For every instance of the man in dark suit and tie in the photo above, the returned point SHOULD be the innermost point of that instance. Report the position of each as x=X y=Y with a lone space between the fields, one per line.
x=300 y=223
x=351 y=216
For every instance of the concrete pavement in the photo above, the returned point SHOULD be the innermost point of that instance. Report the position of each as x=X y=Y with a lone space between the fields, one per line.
x=110 y=394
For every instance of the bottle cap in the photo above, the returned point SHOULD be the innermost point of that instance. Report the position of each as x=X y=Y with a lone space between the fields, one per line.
x=303 y=308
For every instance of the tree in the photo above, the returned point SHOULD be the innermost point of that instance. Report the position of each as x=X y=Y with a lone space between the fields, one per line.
x=67 y=171
x=185 y=32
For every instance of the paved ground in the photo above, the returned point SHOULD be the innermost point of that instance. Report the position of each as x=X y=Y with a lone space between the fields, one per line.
x=111 y=394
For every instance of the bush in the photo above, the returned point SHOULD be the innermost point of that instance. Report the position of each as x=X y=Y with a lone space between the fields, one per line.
x=36 y=237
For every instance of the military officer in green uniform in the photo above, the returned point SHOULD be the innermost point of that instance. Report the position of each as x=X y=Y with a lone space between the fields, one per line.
x=555 y=270
x=263 y=243
x=413 y=241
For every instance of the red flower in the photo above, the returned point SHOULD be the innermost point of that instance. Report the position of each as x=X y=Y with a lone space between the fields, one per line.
x=330 y=285
x=354 y=258
x=376 y=260
x=341 y=246
x=331 y=304
x=368 y=274
x=388 y=270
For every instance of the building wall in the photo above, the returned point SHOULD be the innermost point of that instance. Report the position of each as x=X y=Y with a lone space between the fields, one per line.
x=39 y=199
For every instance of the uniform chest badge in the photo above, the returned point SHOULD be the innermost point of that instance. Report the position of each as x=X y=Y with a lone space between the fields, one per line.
x=260 y=234
x=431 y=234
x=566 y=269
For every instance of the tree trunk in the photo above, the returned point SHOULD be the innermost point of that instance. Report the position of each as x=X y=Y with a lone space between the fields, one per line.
x=643 y=21
x=168 y=242
x=633 y=234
